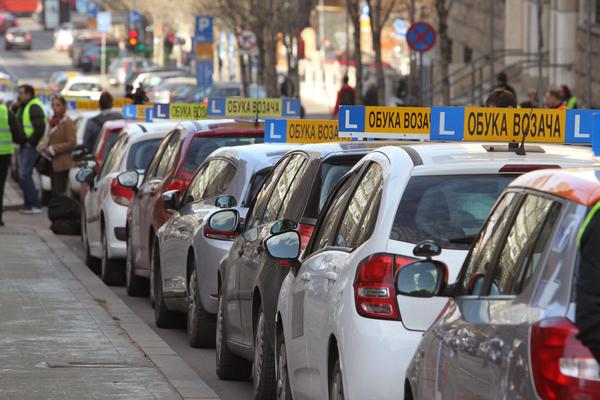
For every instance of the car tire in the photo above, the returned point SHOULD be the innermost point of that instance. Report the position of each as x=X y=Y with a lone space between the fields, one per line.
x=264 y=361
x=135 y=285
x=283 y=390
x=162 y=316
x=201 y=325
x=111 y=271
x=230 y=366
x=92 y=262
x=336 y=383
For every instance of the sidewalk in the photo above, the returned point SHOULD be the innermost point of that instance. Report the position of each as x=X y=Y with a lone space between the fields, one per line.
x=65 y=335
x=13 y=197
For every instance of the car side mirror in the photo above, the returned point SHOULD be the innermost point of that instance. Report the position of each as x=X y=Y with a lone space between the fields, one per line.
x=225 y=202
x=225 y=221
x=283 y=225
x=79 y=152
x=427 y=248
x=85 y=175
x=422 y=278
x=171 y=200
x=283 y=246
x=129 y=179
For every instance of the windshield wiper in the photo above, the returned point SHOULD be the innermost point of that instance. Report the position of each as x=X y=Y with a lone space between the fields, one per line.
x=469 y=239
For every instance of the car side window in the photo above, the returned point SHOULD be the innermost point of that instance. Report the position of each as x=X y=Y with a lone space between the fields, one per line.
x=112 y=157
x=213 y=180
x=487 y=244
x=285 y=183
x=197 y=185
x=333 y=212
x=168 y=156
x=360 y=208
x=524 y=245
x=151 y=172
x=254 y=214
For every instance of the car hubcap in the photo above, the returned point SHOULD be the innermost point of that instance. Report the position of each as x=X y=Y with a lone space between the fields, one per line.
x=258 y=351
x=282 y=369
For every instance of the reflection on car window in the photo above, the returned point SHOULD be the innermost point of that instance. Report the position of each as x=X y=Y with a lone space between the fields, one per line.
x=327 y=225
x=281 y=189
x=141 y=153
x=213 y=180
x=168 y=156
x=201 y=147
x=261 y=197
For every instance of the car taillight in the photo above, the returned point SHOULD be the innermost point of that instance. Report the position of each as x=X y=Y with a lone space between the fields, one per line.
x=93 y=58
x=374 y=291
x=10 y=36
x=212 y=234
x=120 y=194
x=305 y=231
x=523 y=168
x=27 y=37
x=178 y=184
x=562 y=367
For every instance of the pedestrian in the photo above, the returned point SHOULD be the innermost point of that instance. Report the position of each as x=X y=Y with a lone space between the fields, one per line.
x=346 y=96
x=94 y=125
x=553 y=99
x=532 y=99
x=287 y=87
x=140 y=96
x=501 y=98
x=502 y=83
x=587 y=296
x=11 y=133
x=569 y=100
x=61 y=138
x=30 y=111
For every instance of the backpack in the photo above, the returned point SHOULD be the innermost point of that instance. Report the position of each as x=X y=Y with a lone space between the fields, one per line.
x=347 y=97
x=66 y=227
x=62 y=207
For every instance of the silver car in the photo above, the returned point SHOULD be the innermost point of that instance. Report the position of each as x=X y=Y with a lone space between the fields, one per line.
x=189 y=250
x=507 y=331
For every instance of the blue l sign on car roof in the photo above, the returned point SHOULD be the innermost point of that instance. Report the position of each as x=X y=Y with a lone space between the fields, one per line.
x=447 y=123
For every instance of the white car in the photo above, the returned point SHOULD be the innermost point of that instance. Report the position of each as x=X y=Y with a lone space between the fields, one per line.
x=190 y=253
x=342 y=331
x=63 y=37
x=104 y=205
x=80 y=118
x=82 y=87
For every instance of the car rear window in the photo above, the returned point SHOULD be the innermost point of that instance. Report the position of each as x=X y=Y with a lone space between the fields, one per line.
x=141 y=154
x=448 y=209
x=202 y=146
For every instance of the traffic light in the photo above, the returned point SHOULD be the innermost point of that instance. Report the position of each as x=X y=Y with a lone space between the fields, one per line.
x=132 y=38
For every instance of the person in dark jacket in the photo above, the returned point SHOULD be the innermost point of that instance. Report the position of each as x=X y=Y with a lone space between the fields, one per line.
x=346 y=96
x=8 y=138
x=587 y=299
x=502 y=83
x=30 y=111
x=501 y=98
x=94 y=125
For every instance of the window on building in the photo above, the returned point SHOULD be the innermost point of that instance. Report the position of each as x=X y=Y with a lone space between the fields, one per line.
x=467 y=55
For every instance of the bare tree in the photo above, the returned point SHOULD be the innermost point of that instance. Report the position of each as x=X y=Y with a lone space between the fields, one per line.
x=379 y=15
x=353 y=8
x=443 y=8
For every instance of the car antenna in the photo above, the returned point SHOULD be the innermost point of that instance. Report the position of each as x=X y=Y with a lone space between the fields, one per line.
x=256 y=124
x=521 y=150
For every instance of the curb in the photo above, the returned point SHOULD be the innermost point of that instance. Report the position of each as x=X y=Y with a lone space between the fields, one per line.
x=181 y=377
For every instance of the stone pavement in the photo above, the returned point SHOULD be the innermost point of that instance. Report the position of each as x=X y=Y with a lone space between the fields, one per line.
x=13 y=197
x=65 y=335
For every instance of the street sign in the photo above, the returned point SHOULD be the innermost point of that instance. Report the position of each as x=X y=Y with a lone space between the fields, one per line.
x=384 y=122
x=421 y=37
x=247 y=107
x=203 y=49
x=204 y=73
x=180 y=111
x=247 y=40
x=204 y=28
x=103 y=22
x=399 y=28
x=92 y=8
x=134 y=17
x=301 y=131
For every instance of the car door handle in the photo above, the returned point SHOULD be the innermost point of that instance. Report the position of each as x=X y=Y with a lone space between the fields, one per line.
x=305 y=276
x=331 y=276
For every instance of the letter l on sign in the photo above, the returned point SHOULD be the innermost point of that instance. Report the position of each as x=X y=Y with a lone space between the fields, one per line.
x=272 y=133
x=577 y=129
x=347 y=123
x=443 y=130
x=215 y=110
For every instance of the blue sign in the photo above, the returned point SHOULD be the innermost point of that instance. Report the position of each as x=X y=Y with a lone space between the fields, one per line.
x=216 y=106
x=290 y=107
x=134 y=17
x=580 y=125
x=92 y=8
x=204 y=73
x=162 y=111
x=129 y=111
x=81 y=6
x=351 y=119
x=103 y=21
x=204 y=28
x=399 y=28
x=447 y=123
x=596 y=135
x=421 y=37
x=149 y=114
x=275 y=130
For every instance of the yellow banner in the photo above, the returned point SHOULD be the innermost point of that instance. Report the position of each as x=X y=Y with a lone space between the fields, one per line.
x=187 y=111
x=397 y=119
x=44 y=91
x=244 y=107
x=118 y=102
x=313 y=131
x=140 y=111
x=509 y=124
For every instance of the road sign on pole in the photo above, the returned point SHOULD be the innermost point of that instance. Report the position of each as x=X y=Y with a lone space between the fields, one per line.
x=247 y=40
x=421 y=37
x=203 y=49
x=103 y=22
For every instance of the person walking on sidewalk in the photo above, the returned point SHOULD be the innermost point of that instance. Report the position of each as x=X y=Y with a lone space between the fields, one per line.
x=30 y=111
x=10 y=133
x=346 y=96
x=94 y=125
x=61 y=138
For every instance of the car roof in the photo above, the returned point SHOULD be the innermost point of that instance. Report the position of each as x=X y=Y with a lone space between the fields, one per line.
x=350 y=147
x=83 y=78
x=581 y=185
x=138 y=131
x=254 y=154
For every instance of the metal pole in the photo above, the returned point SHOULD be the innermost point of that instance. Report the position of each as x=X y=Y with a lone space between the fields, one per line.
x=540 y=59
x=492 y=33
x=411 y=54
x=421 y=79
x=588 y=54
x=103 y=56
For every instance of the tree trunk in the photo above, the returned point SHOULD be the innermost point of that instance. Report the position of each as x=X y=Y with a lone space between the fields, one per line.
x=269 y=67
x=445 y=49
x=354 y=11
x=376 y=35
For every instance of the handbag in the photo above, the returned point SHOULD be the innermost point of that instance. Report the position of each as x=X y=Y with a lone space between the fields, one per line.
x=43 y=165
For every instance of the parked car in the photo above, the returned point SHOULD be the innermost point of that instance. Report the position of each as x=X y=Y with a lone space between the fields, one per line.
x=172 y=168
x=340 y=322
x=164 y=92
x=152 y=79
x=64 y=37
x=121 y=68
x=508 y=330
x=82 y=87
x=189 y=252
x=58 y=79
x=80 y=118
x=17 y=38
x=7 y=21
x=91 y=57
x=104 y=204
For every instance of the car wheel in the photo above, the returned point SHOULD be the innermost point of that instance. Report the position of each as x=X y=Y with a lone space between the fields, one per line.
x=336 y=387
x=135 y=285
x=162 y=316
x=201 y=325
x=264 y=361
x=284 y=391
x=230 y=366
x=111 y=271
x=92 y=262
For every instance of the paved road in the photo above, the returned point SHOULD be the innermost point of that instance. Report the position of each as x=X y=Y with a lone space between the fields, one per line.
x=35 y=67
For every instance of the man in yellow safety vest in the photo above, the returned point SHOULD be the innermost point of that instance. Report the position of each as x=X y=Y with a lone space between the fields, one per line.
x=10 y=133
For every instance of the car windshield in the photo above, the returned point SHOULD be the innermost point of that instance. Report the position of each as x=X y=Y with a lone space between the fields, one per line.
x=141 y=154
x=202 y=146
x=448 y=209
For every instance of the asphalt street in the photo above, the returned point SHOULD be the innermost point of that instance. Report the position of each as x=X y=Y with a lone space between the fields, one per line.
x=35 y=67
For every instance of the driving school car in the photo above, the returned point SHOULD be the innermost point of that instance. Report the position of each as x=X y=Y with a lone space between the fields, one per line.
x=341 y=323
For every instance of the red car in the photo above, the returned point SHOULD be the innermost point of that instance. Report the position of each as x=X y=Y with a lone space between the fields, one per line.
x=173 y=166
x=109 y=134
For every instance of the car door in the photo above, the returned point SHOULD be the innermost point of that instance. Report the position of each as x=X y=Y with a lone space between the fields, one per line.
x=254 y=255
x=230 y=284
x=494 y=337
